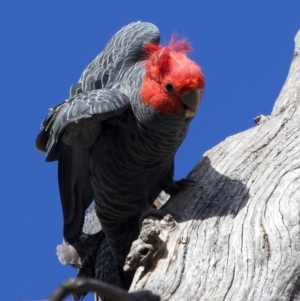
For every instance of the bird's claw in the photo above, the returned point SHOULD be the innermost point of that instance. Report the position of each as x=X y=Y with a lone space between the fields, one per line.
x=176 y=186
x=152 y=212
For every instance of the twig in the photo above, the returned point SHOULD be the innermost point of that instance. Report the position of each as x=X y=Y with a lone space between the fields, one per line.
x=103 y=289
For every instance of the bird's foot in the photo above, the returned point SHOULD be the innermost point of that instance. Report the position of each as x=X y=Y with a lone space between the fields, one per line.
x=150 y=244
x=152 y=212
x=161 y=200
x=176 y=186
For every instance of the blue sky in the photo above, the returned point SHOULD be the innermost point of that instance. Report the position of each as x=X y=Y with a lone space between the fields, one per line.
x=244 y=50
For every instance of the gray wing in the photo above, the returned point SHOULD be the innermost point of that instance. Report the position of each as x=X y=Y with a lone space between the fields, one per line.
x=68 y=132
x=73 y=126
x=123 y=50
x=77 y=121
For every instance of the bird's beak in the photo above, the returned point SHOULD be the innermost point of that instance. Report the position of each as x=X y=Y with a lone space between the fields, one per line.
x=191 y=101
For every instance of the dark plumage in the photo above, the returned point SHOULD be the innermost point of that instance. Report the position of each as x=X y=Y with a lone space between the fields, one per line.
x=116 y=137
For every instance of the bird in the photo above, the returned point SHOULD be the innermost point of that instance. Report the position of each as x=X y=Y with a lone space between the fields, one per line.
x=116 y=136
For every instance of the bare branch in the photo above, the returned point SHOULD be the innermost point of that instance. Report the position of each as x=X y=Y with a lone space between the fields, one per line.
x=291 y=88
x=111 y=292
x=238 y=228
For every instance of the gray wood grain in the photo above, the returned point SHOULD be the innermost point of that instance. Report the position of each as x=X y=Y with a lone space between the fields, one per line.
x=239 y=227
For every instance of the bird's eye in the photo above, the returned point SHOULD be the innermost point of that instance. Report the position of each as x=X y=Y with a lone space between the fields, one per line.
x=169 y=87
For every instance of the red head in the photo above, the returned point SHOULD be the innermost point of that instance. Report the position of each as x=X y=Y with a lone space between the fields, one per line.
x=172 y=82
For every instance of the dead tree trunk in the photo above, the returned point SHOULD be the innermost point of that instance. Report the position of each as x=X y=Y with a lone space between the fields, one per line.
x=238 y=232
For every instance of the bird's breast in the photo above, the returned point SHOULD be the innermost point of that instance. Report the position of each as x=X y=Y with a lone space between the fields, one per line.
x=127 y=164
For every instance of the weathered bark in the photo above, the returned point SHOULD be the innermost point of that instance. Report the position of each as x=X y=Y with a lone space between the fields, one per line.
x=238 y=232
